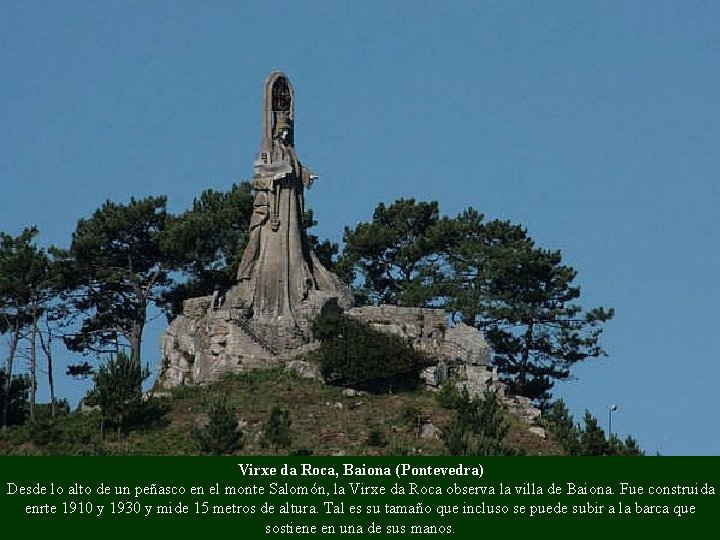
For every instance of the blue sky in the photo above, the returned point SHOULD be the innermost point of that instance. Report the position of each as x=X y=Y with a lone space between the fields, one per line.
x=594 y=124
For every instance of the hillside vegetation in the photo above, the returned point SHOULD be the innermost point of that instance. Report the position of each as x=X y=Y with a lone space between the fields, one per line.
x=93 y=297
x=323 y=421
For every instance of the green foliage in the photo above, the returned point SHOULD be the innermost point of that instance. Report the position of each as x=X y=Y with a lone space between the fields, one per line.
x=448 y=396
x=301 y=452
x=17 y=395
x=457 y=440
x=398 y=447
x=588 y=439
x=480 y=426
x=206 y=243
x=325 y=250
x=412 y=415
x=388 y=258
x=44 y=430
x=317 y=428
x=221 y=435
x=118 y=389
x=115 y=268
x=277 y=432
x=471 y=257
x=628 y=447
x=491 y=426
x=354 y=354
x=329 y=325
x=23 y=268
x=44 y=410
x=376 y=437
x=66 y=434
x=559 y=421
x=524 y=298
x=24 y=271
x=592 y=438
x=489 y=274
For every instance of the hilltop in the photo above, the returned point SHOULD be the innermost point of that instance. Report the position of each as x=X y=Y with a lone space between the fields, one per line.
x=325 y=420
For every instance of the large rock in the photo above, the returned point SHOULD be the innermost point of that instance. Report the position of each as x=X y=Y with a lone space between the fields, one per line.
x=427 y=330
x=265 y=319
x=429 y=431
x=304 y=370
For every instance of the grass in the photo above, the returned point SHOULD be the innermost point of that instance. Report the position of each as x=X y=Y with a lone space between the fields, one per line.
x=324 y=422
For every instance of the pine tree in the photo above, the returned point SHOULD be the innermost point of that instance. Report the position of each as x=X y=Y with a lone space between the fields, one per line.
x=118 y=389
x=23 y=274
x=592 y=438
x=205 y=244
x=525 y=300
x=560 y=422
x=220 y=435
x=489 y=274
x=588 y=438
x=16 y=389
x=491 y=426
x=277 y=431
x=480 y=426
x=114 y=270
x=389 y=258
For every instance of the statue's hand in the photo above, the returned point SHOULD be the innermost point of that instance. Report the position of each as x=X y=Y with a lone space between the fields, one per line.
x=308 y=177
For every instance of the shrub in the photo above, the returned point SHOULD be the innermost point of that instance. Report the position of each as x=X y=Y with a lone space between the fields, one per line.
x=588 y=439
x=448 y=396
x=376 y=437
x=220 y=435
x=18 y=395
x=354 y=354
x=398 y=447
x=118 y=390
x=491 y=426
x=480 y=424
x=277 y=432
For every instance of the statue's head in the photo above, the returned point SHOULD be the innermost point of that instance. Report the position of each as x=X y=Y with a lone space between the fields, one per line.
x=279 y=110
x=281 y=98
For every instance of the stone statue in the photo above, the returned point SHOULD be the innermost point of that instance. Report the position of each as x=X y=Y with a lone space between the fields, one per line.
x=279 y=271
x=265 y=319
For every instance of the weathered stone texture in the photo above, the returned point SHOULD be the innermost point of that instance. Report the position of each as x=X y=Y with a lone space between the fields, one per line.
x=281 y=286
x=200 y=348
x=427 y=330
x=265 y=320
x=304 y=370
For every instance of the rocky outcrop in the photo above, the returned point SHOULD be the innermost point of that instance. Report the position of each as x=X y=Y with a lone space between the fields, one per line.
x=304 y=370
x=202 y=344
x=427 y=330
x=265 y=319
x=208 y=340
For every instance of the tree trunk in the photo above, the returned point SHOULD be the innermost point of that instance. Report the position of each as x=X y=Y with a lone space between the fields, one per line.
x=33 y=362
x=522 y=369
x=136 y=335
x=47 y=349
x=8 y=372
x=135 y=347
x=135 y=343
